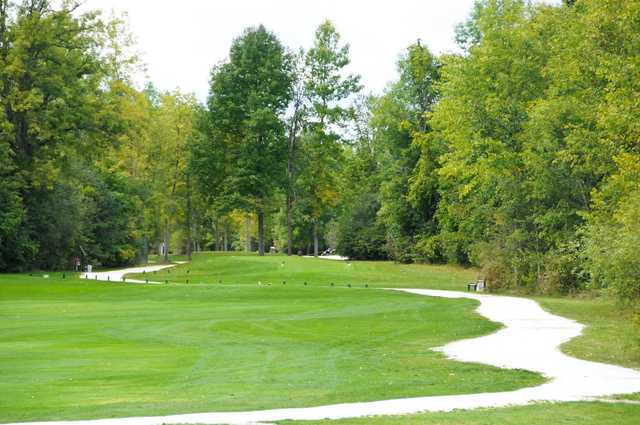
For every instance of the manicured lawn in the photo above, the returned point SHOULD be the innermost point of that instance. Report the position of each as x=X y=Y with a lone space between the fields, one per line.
x=538 y=414
x=72 y=349
x=236 y=268
x=611 y=336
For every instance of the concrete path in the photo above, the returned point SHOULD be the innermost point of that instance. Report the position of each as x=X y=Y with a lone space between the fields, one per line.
x=329 y=257
x=529 y=340
x=119 y=275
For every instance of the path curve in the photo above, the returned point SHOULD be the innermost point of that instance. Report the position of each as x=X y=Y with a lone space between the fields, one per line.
x=529 y=340
x=119 y=275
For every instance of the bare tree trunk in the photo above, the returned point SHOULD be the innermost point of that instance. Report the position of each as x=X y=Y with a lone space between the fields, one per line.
x=145 y=246
x=296 y=121
x=260 y=232
x=225 y=245
x=289 y=225
x=315 y=238
x=189 y=236
x=247 y=229
x=166 y=240
x=216 y=234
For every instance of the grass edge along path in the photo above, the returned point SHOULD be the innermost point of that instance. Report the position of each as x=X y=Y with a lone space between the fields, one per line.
x=572 y=413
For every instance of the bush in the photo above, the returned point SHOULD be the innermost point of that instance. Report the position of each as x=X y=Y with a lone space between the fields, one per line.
x=360 y=234
x=613 y=250
x=429 y=249
x=564 y=271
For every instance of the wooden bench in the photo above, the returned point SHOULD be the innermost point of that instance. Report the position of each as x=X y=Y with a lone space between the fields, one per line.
x=478 y=285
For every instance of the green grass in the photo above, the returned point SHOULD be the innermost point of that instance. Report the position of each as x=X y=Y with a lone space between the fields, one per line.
x=72 y=349
x=610 y=336
x=542 y=413
x=236 y=268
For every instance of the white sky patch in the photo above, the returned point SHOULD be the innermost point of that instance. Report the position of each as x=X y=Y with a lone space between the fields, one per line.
x=182 y=41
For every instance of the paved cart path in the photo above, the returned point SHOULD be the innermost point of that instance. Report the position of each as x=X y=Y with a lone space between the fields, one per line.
x=530 y=339
x=119 y=275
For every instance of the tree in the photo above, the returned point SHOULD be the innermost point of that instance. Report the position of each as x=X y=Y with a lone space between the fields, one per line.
x=361 y=235
x=326 y=89
x=248 y=96
x=172 y=129
x=295 y=128
x=401 y=133
x=53 y=108
x=607 y=34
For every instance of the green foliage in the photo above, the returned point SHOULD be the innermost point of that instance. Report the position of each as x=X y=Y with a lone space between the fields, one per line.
x=52 y=107
x=246 y=122
x=517 y=155
x=527 y=138
x=400 y=131
x=613 y=231
x=245 y=115
x=77 y=149
x=325 y=91
x=360 y=234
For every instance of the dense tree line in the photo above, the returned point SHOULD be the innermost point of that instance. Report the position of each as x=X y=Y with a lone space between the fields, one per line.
x=90 y=167
x=526 y=162
x=518 y=155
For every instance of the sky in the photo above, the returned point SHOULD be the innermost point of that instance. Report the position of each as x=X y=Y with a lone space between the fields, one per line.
x=181 y=41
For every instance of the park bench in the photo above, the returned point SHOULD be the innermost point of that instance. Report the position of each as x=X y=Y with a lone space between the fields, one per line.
x=476 y=286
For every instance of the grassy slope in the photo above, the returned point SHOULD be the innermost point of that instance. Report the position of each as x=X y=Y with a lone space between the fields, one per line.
x=83 y=349
x=610 y=336
x=244 y=269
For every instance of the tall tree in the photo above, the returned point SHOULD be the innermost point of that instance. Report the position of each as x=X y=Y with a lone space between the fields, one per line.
x=326 y=90
x=54 y=108
x=295 y=127
x=249 y=94
x=401 y=131
x=360 y=233
x=173 y=125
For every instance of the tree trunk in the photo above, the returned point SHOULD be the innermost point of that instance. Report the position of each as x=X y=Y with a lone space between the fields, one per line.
x=291 y=157
x=189 y=236
x=145 y=248
x=216 y=234
x=247 y=229
x=260 y=232
x=166 y=240
x=315 y=238
x=289 y=225
x=225 y=245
